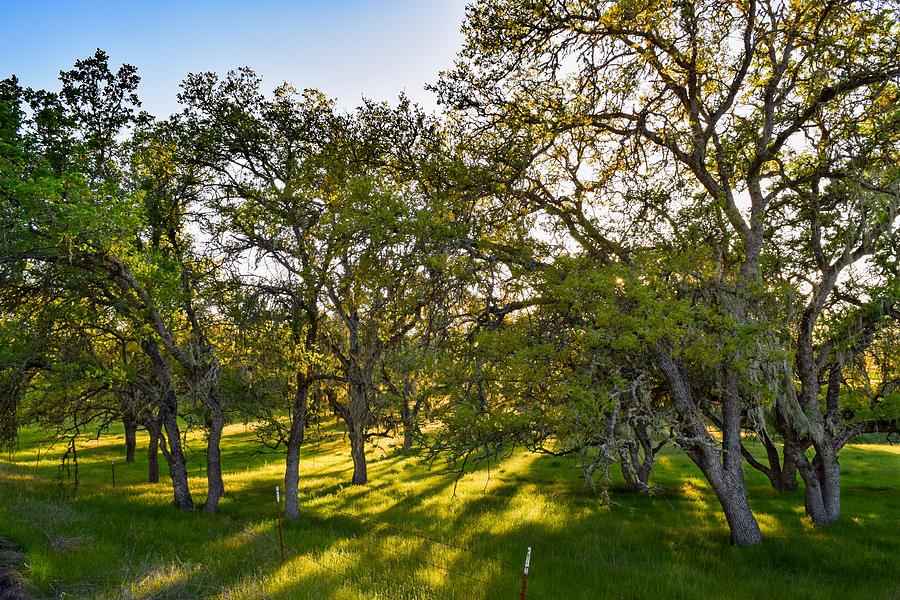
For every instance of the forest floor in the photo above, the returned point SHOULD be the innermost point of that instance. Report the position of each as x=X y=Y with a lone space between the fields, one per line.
x=406 y=535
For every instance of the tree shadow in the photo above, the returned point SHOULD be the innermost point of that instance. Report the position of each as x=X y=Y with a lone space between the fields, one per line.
x=405 y=535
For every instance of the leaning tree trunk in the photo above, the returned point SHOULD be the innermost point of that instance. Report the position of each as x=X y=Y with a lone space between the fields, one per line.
x=636 y=469
x=295 y=441
x=726 y=477
x=724 y=473
x=177 y=464
x=732 y=491
x=732 y=495
x=168 y=409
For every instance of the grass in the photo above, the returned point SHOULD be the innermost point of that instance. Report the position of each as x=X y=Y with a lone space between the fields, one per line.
x=406 y=536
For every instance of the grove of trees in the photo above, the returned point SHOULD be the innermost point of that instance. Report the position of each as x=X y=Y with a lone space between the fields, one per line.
x=632 y=225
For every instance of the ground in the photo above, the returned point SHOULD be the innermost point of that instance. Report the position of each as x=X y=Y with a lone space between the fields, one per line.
x=406 y=535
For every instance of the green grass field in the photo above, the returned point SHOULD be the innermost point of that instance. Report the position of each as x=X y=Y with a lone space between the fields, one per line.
x=406 y=536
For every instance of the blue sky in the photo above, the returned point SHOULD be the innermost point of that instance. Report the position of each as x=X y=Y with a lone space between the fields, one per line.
x=346 y=48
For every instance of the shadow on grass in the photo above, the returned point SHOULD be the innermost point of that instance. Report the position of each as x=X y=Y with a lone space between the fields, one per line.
x=406 y=536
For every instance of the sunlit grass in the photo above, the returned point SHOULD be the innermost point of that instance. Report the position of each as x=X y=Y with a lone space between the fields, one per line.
x=415 y=532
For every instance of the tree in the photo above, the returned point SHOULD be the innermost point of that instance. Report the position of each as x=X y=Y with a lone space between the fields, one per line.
x=561 y=373
x=326 y=207
x=264 y=161
x=394 y=238
x=407 y=379
x=167 y=185
x=673 y=116
x=70 y=223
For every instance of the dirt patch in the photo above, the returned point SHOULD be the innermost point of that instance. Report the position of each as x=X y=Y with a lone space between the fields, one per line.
x=13 y=586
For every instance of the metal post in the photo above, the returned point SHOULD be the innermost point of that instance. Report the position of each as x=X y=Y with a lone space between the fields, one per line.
x=114 y=473
x=525 y=574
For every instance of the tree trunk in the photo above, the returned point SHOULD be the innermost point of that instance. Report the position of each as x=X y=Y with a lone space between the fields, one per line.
x=725 y=474
x=782 y=470
x=407 y=437
x=822 y=477
x=358 y=414
x=177 y=465
x=732 y=492
x=215 y=486
x=786 y=479
x=635 y=472
x=358 y=453
x=408 y=416
x=168 y=409
x=782 y=476
x=831 y=482
x=130 y=421
x=822 y=481
x=636 y=469
x=295 y=441
x=153 y=456
x=732 y=496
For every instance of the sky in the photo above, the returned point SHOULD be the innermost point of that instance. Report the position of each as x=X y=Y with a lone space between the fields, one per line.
x=346 y=48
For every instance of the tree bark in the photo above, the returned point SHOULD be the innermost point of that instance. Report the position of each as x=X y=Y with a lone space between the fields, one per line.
x=295 y=441
x=408 y=416
x=358 y=453
x=168 y=410
x=130 y=421
x=732 y=495
x=177 y=464
x=215 y=486
x=408 y=429
x=822 y=480
x=358 y=414
x=153 y=456
x=409 y=411
x=732 y=492
x=725 y=474
x=782 y=470
x=637 y=478
x=636 y=469
x=786 y=480
x=782 y=473
x=822 y=476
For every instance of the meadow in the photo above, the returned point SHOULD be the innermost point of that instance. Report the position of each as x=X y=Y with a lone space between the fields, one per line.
x=415 y=532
